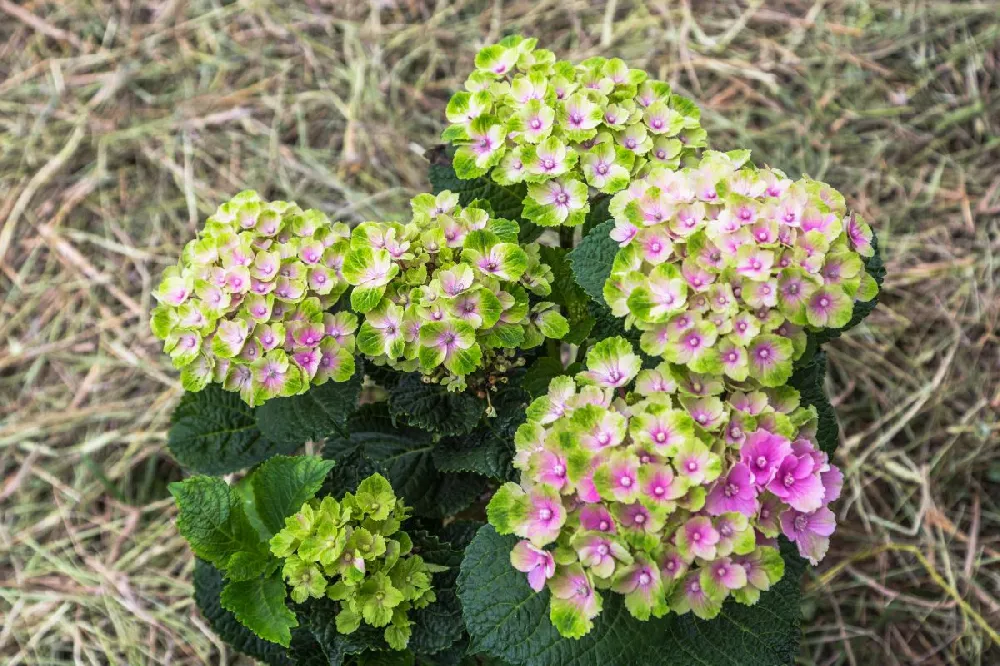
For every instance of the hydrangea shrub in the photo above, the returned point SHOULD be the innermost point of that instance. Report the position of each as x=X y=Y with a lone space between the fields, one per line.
x=603 y=442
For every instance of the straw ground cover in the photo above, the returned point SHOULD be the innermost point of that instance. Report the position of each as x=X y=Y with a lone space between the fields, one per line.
x=123 y=125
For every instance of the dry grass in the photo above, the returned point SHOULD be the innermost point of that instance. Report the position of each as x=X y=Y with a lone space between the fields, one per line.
x=123 y=124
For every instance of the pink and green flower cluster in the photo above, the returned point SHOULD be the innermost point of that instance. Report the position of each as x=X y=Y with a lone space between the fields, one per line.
x=663 y=485
x=246 y=305
x=565 y=130
x=450 y=292
x=725 y=268
x=353 y=551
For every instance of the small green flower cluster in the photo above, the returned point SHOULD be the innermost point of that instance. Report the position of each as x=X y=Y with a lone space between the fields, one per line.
x=450 y=292
x=725 y=267
x=565 y=129
x=246 y=304
x=353 y=552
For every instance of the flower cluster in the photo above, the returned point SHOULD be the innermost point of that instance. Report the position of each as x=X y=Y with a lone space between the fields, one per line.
x=565 y=130
x=450 y=292
x=725 y=267
x=353 y=552
x=246 y=304
x=671 y=494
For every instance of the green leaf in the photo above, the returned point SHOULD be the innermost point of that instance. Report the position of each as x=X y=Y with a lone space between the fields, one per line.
x=439 y=625
x=403 y=453
x=488 y=449
x=481 y=451
x=212 y=520
x=592 y=260
x=875 y=267
x=215 y=432
x=259 y=604
x=318 y=643
x=568 y=294
x=208 y=583
x=507 y=619
x=540 y=374
x=808 y=381
x=433 y=408
x=599 y=213
x=506 y=201
x=450 y=494
x=311 y=416
x=283 y=484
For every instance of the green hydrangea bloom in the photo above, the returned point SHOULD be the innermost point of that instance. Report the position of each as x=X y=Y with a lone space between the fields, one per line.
x=246 y=305
x=449 y=293
x=353 y=552
x=567 y=131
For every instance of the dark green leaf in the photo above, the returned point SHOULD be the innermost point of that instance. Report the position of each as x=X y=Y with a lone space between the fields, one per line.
x=318 y=643
x=215 y=432
x=438 y=626
x=460 y=533
x=403 y=454
x=481 y=451
x=450 y=494
x=433 y=408
x=508 y=620
x=568 y=295
x=598 y=214
x=259 y=604
x=312 y=416
x=808 y=381
x=592 y=259
x=208 y=583
x=540 y=374
x=283 y=484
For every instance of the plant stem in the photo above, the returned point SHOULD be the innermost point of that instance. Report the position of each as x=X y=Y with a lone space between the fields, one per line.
x=566 y=237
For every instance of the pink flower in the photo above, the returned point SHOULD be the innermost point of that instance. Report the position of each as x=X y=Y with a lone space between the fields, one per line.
x=734 y=492
x=600 y=553
x=763 y=452
x=810 y=531
x=545 y=518
x=536 y=562
x=796 y=483
x=597 y=518
x=698 y=538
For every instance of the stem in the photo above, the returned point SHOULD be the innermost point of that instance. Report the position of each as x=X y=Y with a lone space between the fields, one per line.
x=566 y=237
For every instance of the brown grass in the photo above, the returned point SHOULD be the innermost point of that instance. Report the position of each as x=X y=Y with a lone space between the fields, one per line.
x=122 y=125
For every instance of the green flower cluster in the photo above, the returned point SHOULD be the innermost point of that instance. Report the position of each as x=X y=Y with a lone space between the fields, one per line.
x=246 y=304
x=353 y=552
x=450 y=292
x=565 y=129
